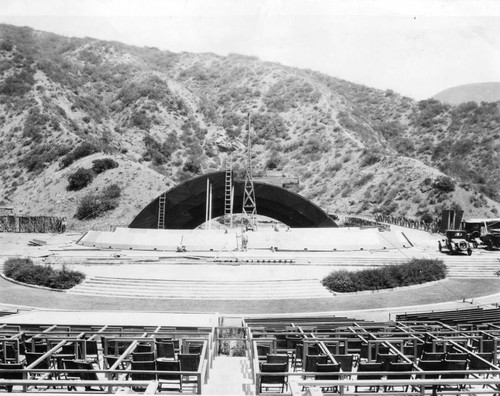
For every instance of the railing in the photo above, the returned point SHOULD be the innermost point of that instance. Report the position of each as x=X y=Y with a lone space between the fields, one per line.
x=109 y=383
x=418 y=384
x=151 y=386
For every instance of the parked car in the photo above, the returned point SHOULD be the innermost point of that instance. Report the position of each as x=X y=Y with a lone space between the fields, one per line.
x=484 y=232
x=455 y=242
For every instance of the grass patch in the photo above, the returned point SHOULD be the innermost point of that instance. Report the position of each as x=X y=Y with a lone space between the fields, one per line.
x=24 y=270
x=415 y=272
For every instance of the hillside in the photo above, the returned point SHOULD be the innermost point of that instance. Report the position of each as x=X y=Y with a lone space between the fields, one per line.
x=166 y=117
x=480 y=92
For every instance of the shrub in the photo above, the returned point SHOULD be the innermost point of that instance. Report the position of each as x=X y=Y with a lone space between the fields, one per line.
x=89 y=208
x=158 y=152
x=404 y=146
x=427 y=218
x=6 y=45
x=113 y=191
x=102 y=165
x=83 y=150
x=40 y=156
x=80 y=179
x=35 y=125
x=369 y=158
x=24 y=270
x=416 y=271
x=192 y=165
x=444 y=183
x=95 y=205
x=141 y=120
x=17 y=84
x=290 y=93
x=268 y=126
x=274 y=160
x=390 y=129
x=363 y=179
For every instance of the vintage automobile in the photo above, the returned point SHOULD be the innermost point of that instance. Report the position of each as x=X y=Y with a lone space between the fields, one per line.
x=484 y=232
x=455 y=242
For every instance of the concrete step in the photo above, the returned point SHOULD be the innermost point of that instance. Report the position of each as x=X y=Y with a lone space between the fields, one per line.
x=171 y=289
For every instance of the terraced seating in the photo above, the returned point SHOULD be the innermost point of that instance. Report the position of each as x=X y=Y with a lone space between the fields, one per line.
x=331 y=354
x=405 y=357
x=129 y=356
x=460 y=316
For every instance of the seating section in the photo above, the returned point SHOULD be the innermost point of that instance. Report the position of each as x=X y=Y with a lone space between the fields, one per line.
x=335 y=355
x=89 y=358
x=453 y=318
x=390 y=357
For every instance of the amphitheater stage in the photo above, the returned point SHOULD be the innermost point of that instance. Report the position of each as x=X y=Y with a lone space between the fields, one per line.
x=290 y=239
x=236 y=282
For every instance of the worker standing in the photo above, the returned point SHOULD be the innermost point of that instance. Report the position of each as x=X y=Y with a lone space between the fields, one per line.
x=244 y=240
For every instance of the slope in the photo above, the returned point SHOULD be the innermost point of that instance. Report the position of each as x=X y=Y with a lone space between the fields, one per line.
x=167 y=117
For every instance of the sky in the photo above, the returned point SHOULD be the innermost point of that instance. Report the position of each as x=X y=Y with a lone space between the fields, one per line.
x=415 y=47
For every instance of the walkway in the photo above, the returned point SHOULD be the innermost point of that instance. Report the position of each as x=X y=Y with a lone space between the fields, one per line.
x=230 y=376
x=373 y=306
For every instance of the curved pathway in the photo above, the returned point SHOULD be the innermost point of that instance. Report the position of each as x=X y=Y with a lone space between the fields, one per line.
x=455 y=290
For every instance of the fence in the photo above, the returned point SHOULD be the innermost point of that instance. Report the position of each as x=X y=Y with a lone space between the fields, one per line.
x=32 y=224
x=381 y=220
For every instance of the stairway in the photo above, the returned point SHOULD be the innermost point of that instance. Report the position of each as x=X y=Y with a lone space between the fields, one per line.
x=459 y=266
x=481 y=267
x=201 y=290
x=230 y=376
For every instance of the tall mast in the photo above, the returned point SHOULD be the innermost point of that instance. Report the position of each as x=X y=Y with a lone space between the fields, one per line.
x=249 y=204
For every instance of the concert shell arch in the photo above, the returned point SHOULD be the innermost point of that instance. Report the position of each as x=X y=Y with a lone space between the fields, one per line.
x=186 y=205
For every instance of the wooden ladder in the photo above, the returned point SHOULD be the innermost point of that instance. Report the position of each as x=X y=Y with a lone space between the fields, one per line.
x=161 y=211
x=227 y=194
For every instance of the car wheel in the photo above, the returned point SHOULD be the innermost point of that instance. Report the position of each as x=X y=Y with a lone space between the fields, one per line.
x=474 y=245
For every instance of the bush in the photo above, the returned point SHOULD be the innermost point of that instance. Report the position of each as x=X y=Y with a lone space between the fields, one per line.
x=35 y=125
x=6 y=45
x=17 y=84
x=95 y=205
x=83 y=150
x=369 y=158
x=24 y=270
x=158 y=152
x=102 y=165
x=444 y=183
x=80 y=179
x=113 y=191
x=416 y=271
x=40 y=156
x=427 y=218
